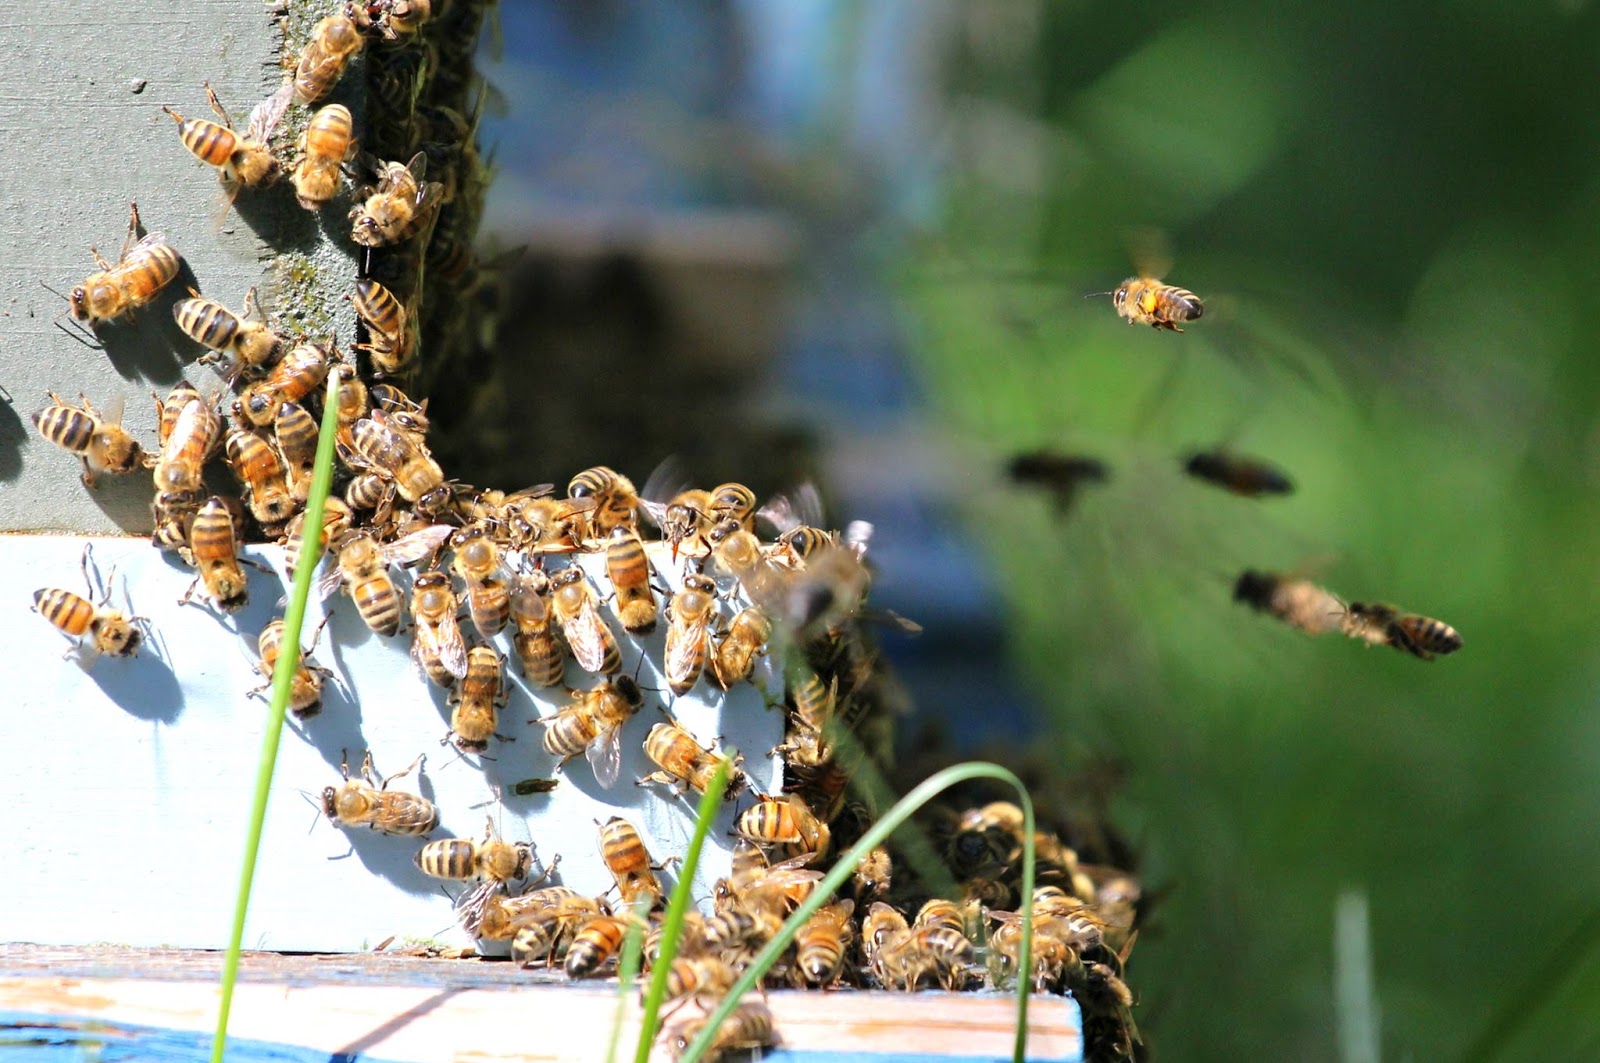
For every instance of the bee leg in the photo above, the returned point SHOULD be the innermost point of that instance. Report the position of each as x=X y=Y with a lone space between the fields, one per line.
x=189 y=594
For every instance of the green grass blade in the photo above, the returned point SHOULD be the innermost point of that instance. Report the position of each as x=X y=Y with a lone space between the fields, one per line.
x=282 y=676
x=845 y=867
x=678 y=905
x=628 y=970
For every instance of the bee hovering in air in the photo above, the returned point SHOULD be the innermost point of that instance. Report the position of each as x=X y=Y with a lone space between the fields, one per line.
x=1246 y=477
x=145 y=266
x=1378 y=623
x=92 y=626
x=1058 y=475
x=1297 y=602
x=241 y=161
x=364 y=802
x=98 y=439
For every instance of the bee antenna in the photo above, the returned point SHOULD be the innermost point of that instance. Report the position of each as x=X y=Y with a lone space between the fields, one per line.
x=1096 y=295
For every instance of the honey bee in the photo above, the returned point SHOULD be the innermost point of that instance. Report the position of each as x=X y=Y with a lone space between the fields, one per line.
x=98 y=439
x=477 y=700
x=437 y=645
x=391 y=345
x=629 y=570
x=365 y=803
x=814 y=703
x=396 y=455
x=738 y=553
x=938 y=952
x=543 y=662
x=1297 y=602
x=629 y=862
x=1246 y=477
x=1147 y=301
x=596 y=943
x=325 y=145
x=736 y=654
x=733 y=501
x=145 y=267
x=354 y=403
x=241 y=162
x=544 y=932
x=500 y=916
x=682 y=514
x=820 y=945
x=336 y=520
x=616 y=503
x=363 y=565
x=1421 y=636
x=173 y=517
x=747 y=1028
x=214 y=543
x=395 y=209
x=92 y=627
x=689 y=618
x=592 y=725
x=477 y=561
x=1060 y=475
x=494 y=861
x=784 y=821
x=1050 y=954
x=334 y=41
x=295 y=431
x=305 y=688
x=829 y=589
x=700 y=978
x=190 y=441
x=682 y=760
x=298 y=374
x=541 y=525
x=874 y=875
x=572 y=602
x=210 y=324
x=394 y=19
x=258 y=467
x=366 y=491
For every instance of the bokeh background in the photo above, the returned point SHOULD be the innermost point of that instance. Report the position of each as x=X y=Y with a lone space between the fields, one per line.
x=851 y=241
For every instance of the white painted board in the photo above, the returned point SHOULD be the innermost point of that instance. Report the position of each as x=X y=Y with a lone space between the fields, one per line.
x=128 y=798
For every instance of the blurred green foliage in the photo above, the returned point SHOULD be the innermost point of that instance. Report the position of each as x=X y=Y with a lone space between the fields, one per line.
x=1392 y=211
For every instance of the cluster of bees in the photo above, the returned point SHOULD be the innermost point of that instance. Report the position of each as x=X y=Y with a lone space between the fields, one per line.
x=1290 y=598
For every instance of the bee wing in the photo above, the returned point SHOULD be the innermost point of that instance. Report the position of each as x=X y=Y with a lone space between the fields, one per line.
x=452 y=647
x=856 y=536
x=418 y=167
x=605 y=756
x=429 y=196
x=587 y=637
x=686 y=646
x=191 y=420
x=536 y=491
x=411 y=548
x=803 y=505
x=150 y=240
x=328 y=582
x=266 y=115
x=112 y=414
x=665 y=482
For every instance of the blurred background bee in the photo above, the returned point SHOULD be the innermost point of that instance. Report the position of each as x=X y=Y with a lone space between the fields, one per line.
x=90 y=624
x=98 y=439
x=1246 y=477
x=1058 y=475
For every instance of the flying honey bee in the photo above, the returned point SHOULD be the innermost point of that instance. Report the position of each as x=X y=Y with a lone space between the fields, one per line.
x=543 y=661
x=98 y=439
x=495 y=861
x=145 y=267
x=592 y=725
x=210 y=324
x=326 y=144
x=297 y=374
x=596 y=943
x=1246 y=477
x=1421 y=636
x=366 y=803
x=305 y=688
x=748 y=1028
x=1297 y=602
x=1147 y=301
x=194 y=434
x=396 y=208
x=257 y=466
x=363 y=569
x=573 y=603
x=396 y=455
x=241 y=161
x=437 y=645
x=92 y=627
x=214 y=543
x=477 y=561
x=334 y=41
x=629 y=862
x=616 y=503
x=295 y=431
x=690 y=615
x=821 y=944
x=1060 y=475
x=477 y=700
x=629 y=570
x=683 y=761
x=392 y=342
x=784 y=821
x=735 y=657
